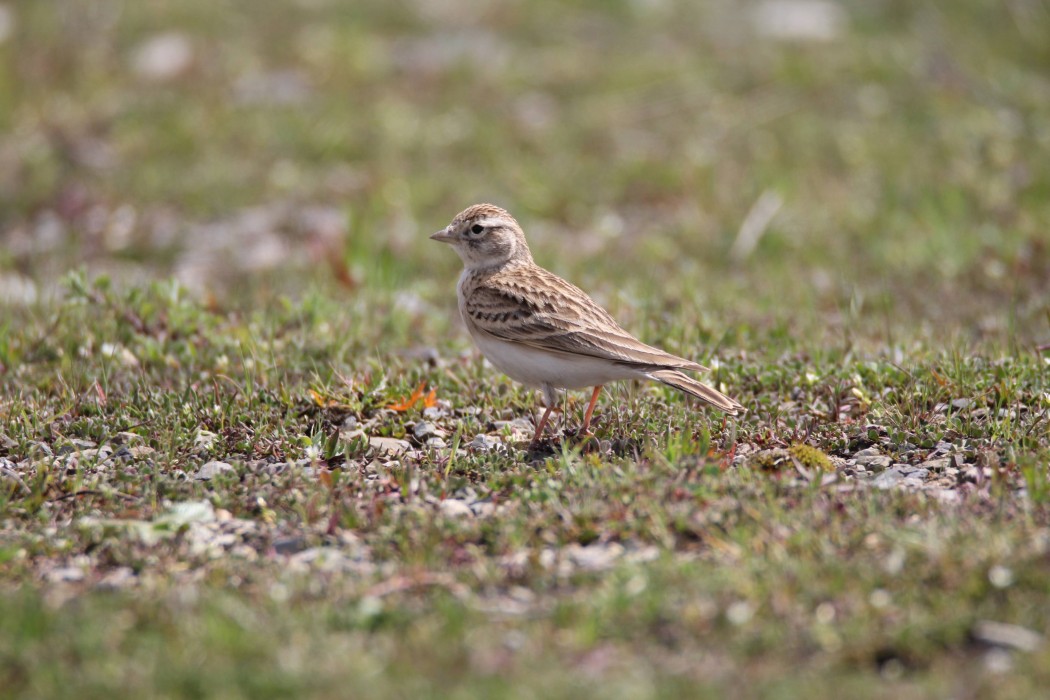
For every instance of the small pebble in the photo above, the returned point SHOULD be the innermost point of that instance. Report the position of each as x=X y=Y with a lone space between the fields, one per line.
x=455 y=507
x=391 y=446
x=162 y=57
x=425 y=429
x=888 y=479
x=65 y=574
x=213 y=469
x=485 y=443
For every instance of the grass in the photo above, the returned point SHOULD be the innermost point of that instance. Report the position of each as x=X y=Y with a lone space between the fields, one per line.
x=192 y=272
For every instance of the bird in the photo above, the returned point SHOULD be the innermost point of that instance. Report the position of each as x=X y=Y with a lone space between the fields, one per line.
x=545 y=332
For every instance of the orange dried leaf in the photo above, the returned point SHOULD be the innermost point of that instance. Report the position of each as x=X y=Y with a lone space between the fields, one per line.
x=410 y=401
x=430 y=400
x=320 y=400
x=326 y=402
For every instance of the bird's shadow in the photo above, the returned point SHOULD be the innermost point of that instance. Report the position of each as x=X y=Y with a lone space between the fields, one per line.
x=587 y=444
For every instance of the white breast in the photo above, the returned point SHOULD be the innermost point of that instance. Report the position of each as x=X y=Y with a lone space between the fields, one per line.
x=534 y=367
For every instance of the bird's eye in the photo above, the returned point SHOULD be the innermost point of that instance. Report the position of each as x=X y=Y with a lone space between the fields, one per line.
x=476 y=229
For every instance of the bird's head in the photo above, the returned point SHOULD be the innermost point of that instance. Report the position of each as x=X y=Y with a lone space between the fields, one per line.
x=485 y=236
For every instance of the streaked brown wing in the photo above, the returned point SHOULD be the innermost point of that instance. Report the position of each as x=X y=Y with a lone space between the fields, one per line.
x=544 y=311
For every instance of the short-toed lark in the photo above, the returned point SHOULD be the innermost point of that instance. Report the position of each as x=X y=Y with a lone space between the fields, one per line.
x=544 y=332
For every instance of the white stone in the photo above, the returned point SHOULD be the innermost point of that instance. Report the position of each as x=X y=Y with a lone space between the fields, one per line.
x=213 y=469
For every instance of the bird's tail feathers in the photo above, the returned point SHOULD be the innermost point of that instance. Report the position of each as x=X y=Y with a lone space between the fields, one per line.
x=682 y=382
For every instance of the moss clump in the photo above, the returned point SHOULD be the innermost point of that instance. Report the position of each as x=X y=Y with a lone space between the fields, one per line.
x=811 y=457
x=777 y=459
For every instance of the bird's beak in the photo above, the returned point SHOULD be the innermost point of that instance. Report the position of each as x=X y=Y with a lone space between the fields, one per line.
x=443 y=235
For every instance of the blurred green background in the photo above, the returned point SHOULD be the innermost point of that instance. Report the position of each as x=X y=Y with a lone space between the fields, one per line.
x=892 y=155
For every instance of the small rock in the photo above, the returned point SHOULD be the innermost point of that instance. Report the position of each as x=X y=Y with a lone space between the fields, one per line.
x=519 y=427
x=1001 y=576
x=522 y=424
x=937 y=465
x=129 y=439
x=739 y=612
x=213 y=469
x=15 y=289
x=119 y=352
x=65 y=574
x=100 y=454
x=331 y=559
x=998 y=661
x=289 y=545
x=7 y=464
x=352 y=435
x=945 y=495
x=163 y=57
x=390 y=446
x=1001 y=634
x=485 y=443
x=888 y=479
x=799 y=20
x=435 y=443
x=962 y=403
x=425 y=429
x=186 y=512
x=483 y=508
x=595 y=557
x=205 y=439
x=974 y=474
x=912 y=472
x=455 y=508
x=874 y=462
x=39 y=449
x=517 y=423
x=120 y=577
x=7 y=23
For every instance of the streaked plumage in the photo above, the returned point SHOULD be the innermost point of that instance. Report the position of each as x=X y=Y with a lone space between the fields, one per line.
x=543 y=331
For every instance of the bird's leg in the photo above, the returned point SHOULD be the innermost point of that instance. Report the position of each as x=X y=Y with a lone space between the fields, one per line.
x=550 y=399
x=585 y=428
x=540 y=425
